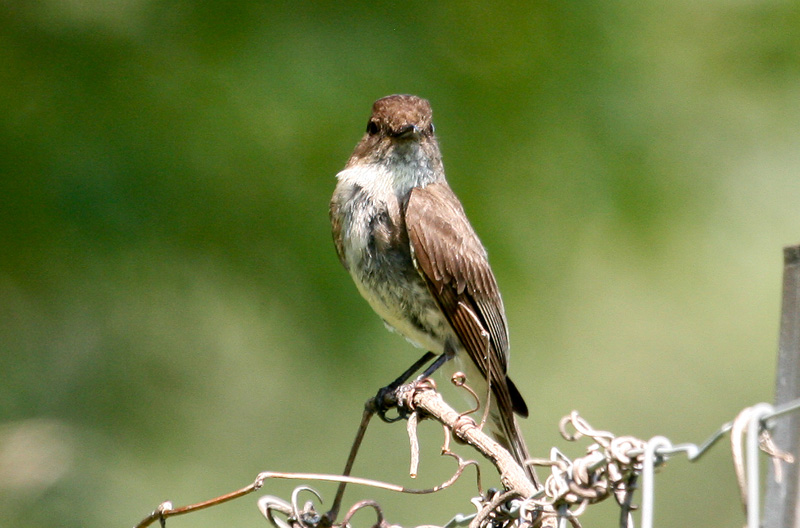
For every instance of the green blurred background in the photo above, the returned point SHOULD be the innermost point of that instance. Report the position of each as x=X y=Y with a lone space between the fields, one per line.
x=173 y=318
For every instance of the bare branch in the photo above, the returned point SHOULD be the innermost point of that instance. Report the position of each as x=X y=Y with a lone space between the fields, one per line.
x=422 y=396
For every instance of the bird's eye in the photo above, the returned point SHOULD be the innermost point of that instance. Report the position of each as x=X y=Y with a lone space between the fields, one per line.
x=372 y=128
x=431 y=129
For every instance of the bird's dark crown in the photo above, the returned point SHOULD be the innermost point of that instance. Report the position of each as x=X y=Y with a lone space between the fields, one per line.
x=399 y=115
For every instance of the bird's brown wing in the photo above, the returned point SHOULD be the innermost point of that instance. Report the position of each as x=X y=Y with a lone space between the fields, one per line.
x=453 y=262
x=336 y=230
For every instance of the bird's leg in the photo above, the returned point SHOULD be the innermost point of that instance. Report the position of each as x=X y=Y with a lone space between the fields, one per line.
x=384 y=399
x=441 y=360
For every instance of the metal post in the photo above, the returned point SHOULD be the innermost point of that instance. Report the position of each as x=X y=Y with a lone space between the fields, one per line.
x=782 y=501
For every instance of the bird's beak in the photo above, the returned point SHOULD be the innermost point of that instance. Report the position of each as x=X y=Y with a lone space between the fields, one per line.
x=409 y=132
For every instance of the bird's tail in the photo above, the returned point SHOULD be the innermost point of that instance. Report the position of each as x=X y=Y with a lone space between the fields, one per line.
x=506 y=402
x=505 y=429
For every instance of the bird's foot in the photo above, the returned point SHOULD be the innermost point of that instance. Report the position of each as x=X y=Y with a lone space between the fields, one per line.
x=397 y=397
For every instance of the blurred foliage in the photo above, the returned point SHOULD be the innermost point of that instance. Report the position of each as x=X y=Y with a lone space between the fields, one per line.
x=173 y=318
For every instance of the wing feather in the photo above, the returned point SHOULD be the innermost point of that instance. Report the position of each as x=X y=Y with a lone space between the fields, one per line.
x=453 y=262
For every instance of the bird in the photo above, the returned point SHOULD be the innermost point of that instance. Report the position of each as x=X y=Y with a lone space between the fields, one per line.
x=403 y=236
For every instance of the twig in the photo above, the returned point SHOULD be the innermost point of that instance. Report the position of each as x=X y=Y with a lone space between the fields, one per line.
x=330 y=517
x=416 y=396
x=421 y=396
x=413 y=442
x=165 y=509
x=373 y=405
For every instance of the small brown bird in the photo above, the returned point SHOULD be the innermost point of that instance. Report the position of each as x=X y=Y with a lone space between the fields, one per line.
x=402 y=234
